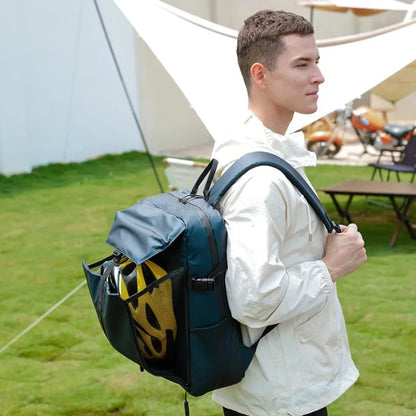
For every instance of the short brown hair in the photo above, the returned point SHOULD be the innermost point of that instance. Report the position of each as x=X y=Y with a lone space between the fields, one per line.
x=261 y=38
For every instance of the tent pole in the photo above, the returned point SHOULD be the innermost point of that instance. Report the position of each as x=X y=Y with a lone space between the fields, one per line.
x=136 y=119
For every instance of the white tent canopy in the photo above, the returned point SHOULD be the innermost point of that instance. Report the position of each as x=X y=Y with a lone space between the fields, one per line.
x=372 y=62
x=200 y=57
x=399 y=85
x=358 y=7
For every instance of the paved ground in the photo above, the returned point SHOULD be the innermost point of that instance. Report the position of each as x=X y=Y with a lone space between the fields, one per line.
x=350 y=154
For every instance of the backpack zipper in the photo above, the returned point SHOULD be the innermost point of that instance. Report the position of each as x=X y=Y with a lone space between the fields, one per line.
x=214 y=257
x=208 y=228
x=210 y=234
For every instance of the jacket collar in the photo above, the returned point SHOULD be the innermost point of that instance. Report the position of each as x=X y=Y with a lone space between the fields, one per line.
x=252 y=136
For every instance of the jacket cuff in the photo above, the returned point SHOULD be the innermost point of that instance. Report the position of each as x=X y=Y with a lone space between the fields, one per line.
x=326 y=277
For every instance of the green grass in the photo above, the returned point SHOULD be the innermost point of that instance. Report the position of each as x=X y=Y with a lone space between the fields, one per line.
x=59 y=214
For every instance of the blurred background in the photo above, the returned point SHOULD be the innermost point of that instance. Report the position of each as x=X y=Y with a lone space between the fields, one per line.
x=63 y=99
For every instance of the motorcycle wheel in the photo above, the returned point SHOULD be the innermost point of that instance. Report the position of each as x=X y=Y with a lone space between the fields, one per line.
x=323 y=148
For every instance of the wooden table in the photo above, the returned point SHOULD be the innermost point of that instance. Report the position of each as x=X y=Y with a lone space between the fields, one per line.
x=391 y=190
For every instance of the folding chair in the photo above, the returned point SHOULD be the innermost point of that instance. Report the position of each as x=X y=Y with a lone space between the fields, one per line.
x=407 y=164
x=400 y=135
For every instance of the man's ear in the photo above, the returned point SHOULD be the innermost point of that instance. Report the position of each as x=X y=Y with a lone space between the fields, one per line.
x=258 y=75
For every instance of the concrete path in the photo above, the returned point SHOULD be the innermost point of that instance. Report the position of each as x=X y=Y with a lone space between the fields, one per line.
x=350 y=154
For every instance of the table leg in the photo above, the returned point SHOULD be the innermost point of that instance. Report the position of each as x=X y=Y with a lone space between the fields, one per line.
x=402 y=215
x=343 y=212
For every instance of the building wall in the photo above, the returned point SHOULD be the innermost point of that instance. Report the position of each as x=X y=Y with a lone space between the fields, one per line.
x=62 y=100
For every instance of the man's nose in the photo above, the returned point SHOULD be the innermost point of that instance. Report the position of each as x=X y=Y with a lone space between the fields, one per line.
x=318 y=77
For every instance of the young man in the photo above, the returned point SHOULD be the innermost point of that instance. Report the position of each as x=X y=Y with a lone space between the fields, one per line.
x=282 y=264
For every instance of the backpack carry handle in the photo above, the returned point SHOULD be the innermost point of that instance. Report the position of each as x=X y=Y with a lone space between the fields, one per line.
x=254 y=159
x=209 y=170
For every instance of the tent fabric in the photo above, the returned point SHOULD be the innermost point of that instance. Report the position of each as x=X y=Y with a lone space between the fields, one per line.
x=399 y=85
x=200 y=57
x=357 y=64
x=371 y=4
x=358 y=7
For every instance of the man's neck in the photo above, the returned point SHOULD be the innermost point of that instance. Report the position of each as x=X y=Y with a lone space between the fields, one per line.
x=271 y=118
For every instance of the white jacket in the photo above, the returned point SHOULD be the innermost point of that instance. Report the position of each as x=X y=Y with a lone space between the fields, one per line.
x=275 y=275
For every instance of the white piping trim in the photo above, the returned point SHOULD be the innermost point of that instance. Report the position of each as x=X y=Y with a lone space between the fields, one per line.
x=309 y=216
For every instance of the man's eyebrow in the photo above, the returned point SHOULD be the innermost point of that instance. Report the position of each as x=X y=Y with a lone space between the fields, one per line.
x=307 y=59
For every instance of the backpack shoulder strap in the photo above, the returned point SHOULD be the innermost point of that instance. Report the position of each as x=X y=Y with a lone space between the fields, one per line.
x=254 y=159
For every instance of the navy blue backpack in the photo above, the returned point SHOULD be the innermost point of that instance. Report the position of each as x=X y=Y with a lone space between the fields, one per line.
x=170 y=254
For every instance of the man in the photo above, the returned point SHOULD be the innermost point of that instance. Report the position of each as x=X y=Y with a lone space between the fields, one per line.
x=282 y=265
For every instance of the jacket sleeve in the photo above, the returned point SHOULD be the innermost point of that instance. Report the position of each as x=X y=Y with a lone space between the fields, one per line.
x=275 y=272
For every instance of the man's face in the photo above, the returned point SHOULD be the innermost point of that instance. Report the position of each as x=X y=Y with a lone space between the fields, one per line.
x=292 y=86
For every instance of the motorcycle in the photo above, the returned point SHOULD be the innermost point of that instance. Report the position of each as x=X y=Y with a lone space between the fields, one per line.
x=366 y=124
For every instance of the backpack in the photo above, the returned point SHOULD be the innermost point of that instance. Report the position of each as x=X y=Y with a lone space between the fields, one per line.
x=161 y=297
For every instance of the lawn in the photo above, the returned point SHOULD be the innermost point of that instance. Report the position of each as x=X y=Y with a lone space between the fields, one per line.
x=63 y=365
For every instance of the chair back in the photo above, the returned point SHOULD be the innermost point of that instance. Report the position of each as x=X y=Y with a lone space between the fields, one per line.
x=409 y=157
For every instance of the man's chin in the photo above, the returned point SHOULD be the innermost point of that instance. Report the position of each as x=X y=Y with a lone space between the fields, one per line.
x=308 y=110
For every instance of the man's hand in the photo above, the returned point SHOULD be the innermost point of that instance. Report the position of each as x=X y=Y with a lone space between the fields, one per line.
x=344 y=251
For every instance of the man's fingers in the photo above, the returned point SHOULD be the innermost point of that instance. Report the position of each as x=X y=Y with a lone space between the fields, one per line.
x=343 y=227
x=352 y=227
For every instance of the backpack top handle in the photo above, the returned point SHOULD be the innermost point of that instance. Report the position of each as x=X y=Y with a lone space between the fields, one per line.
x=209 y=170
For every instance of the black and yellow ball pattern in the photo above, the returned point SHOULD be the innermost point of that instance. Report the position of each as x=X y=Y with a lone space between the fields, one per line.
x=152 y=313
